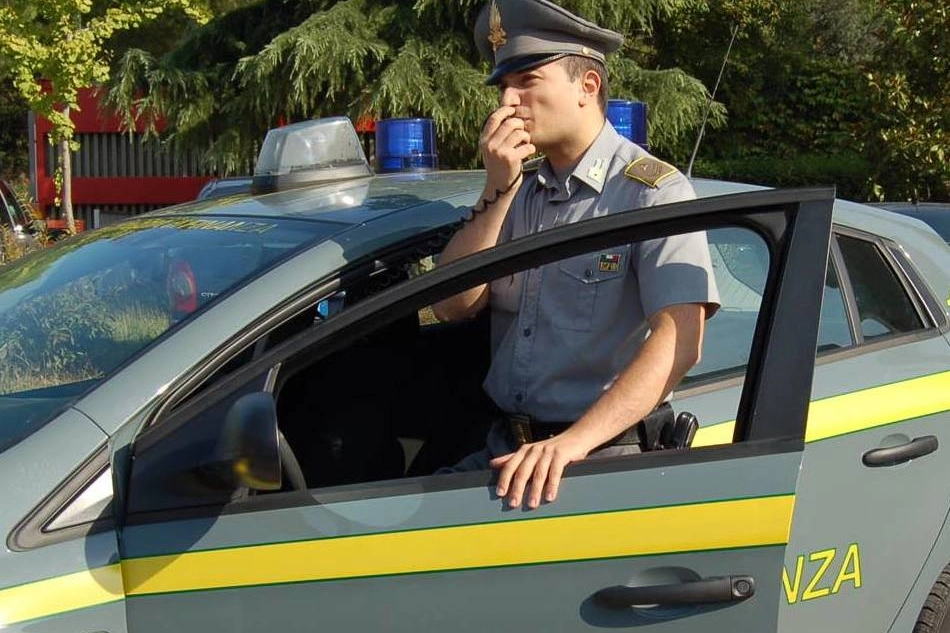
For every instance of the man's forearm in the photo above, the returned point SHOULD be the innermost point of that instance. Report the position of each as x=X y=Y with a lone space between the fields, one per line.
x=479 y=234
x=672 y=348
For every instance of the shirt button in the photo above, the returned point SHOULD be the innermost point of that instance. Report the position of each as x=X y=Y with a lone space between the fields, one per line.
x=527 y=331
x=519 y=397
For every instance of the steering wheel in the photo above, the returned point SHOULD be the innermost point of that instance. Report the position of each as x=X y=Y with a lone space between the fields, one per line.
x=289 y=466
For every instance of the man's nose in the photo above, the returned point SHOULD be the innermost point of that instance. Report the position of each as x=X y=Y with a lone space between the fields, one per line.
x=510 y=97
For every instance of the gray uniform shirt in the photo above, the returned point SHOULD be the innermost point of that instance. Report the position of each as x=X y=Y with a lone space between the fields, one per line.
x=562 y=333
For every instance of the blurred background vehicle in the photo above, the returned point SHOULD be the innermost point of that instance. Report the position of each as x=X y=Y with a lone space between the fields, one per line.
x=16 y=226
x=936 y=214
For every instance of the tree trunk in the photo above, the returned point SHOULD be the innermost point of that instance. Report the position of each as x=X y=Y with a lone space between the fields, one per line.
x=66 y=195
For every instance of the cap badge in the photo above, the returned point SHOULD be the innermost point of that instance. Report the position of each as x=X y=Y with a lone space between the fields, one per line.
x=496 y=35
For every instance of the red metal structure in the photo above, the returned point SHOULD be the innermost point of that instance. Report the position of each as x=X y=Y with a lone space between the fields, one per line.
x=117 y=173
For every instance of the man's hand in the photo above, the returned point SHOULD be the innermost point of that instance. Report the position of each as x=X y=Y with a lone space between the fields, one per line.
x=504 y=145
x=538 y=467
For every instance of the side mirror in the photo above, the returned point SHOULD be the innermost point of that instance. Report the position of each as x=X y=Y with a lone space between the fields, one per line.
x=249 y=447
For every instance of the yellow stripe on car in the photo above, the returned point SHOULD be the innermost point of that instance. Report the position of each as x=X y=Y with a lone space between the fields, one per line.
x=726 y=524
x=858 y=411
x=58 y=595
x=755 y=522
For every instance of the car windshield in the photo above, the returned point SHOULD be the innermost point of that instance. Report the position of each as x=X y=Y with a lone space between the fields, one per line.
x=72 y=314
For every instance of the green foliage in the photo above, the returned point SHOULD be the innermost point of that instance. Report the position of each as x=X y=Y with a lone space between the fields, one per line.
x=273 y=61
x=54 y=48
x=13 y=134
x=848 y=172
x=826 y=78
x=908 y=131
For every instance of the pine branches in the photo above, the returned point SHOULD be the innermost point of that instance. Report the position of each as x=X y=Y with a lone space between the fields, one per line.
x=280 y=60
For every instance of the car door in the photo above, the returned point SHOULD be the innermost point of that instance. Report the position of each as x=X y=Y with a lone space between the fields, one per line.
x=878 y=430
x=880 y=390
x=679 y=540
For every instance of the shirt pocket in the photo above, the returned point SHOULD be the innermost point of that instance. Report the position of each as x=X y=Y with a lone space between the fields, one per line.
x=581 y=285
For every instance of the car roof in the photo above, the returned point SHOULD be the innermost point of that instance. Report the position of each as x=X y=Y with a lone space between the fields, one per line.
x=387 y=208
x=350 y=202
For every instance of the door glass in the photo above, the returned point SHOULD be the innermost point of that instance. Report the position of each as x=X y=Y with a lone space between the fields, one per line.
x=883 y=306
x=740 y=260
x=834 y=331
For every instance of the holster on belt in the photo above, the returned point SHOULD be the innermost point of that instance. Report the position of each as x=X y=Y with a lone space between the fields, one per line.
x=660 y=430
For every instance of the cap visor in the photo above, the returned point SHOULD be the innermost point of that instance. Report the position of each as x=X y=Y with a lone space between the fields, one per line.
x=520 y=64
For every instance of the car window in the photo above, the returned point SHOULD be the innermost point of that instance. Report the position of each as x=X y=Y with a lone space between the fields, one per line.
x=884 y=308
x=740 y=260
x=834 y=329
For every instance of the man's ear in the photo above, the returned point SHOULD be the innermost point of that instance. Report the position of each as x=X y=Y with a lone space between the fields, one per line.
x=590 y=87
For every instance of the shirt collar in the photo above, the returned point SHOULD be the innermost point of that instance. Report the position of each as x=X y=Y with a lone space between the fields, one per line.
x=593 y=166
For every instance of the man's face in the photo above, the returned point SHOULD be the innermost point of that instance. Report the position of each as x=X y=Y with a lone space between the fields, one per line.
x=546 y=99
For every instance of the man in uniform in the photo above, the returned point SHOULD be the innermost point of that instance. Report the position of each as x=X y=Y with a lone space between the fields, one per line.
x=586 y=347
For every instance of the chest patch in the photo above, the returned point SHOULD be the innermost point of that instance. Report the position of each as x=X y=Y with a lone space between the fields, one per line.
x=648 y=170
x=609 y=262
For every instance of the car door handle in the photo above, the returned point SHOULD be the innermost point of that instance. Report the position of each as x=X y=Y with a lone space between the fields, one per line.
x=894 y=455
x=705 y=591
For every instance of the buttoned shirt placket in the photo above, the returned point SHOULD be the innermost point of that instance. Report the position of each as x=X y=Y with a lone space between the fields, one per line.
x=543 y=205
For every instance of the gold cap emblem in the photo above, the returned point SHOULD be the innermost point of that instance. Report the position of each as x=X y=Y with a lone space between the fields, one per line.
x=496 y=35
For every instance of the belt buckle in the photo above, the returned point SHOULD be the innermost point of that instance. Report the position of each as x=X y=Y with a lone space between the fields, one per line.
x=520 y=428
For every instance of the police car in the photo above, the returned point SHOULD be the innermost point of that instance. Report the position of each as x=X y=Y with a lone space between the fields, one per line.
x=227 y=415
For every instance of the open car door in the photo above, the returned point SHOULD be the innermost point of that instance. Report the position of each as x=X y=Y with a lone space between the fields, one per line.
x=676 y=541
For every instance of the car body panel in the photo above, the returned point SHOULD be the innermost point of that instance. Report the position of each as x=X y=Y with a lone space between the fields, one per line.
x=78 y=574
x=430 y=560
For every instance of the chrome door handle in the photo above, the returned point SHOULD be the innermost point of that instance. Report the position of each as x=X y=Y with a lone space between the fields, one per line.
x=894 y=455
x=705 y=591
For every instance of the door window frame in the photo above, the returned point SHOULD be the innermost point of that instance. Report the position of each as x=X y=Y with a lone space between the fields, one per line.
x=790 y=221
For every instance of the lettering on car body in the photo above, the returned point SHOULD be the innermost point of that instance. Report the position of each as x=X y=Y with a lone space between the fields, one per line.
x=814 y=579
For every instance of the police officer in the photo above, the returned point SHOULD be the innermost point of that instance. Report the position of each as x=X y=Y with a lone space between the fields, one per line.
x=573 y=375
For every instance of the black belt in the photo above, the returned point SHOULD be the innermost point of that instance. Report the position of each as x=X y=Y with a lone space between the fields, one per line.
x=651 y=433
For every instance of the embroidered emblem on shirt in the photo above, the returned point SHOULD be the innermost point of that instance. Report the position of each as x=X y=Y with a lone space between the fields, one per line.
x=648 y=170
x=496 y=35
x=596 y=171
x=609 y=262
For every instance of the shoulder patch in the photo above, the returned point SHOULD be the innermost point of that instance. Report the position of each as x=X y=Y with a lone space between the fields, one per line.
x=532 y=165
x=648 y=170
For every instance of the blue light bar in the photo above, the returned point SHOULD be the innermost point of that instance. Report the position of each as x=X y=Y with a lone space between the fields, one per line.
x=406 y=145
x=629 y=118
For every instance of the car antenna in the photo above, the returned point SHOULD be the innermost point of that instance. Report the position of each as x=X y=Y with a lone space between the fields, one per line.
x=709 y=102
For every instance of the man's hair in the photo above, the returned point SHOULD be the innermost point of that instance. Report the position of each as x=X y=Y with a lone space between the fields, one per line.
x=577 y=65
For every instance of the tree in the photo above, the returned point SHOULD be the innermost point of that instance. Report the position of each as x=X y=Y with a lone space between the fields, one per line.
x=286 y=60
x=56 y=47
x=908 y=132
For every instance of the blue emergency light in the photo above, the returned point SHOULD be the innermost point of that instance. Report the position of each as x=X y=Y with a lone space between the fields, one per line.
x=629 y=118
x=406 y=145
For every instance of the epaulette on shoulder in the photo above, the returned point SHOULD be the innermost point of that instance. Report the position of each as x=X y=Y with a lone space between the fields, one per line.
x=532 y=165
x=649 y=170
